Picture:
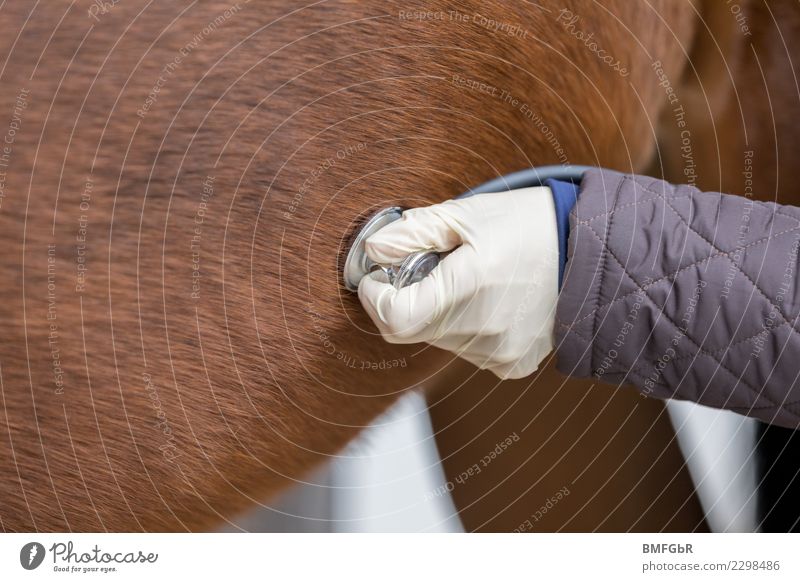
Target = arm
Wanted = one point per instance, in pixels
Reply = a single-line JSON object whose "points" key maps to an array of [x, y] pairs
{"points": [[683, 294]]}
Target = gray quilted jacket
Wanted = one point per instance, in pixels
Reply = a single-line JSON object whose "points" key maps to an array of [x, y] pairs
{"points": [[684, 294]]}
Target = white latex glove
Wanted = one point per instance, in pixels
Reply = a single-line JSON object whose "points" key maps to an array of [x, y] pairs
{"points": [[492, 300]]}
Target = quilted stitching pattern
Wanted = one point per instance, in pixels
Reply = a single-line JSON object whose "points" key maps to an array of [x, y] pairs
{"points": [[684, 294]]}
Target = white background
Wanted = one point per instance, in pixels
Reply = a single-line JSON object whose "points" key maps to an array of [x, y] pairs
{"points": [[403, 557]]}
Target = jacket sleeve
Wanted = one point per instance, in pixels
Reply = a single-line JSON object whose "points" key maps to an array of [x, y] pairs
{"points": [[684, 294]]}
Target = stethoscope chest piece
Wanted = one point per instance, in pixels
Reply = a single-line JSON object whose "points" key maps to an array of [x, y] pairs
{"points": [[358, 265]]}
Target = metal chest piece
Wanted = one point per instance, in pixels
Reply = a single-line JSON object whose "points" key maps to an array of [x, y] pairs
{"points": [[358, 265]]}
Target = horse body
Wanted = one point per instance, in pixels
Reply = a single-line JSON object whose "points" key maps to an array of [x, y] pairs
{"points": [[178, 189]]}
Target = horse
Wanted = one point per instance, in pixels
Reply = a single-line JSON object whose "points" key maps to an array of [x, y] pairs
{"points": [[179, 183]]}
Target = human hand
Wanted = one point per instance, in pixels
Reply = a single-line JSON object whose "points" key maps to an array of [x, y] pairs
{"points": [[491, 300]]}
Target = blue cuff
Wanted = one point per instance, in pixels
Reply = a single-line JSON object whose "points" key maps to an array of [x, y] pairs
{"points": [[565, 195]]}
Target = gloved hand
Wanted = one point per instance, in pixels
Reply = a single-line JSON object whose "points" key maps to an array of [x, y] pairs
{"points": [[492, 300]]}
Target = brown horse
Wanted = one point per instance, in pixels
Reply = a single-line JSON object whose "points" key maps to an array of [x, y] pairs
{"points": [[177, 183]]}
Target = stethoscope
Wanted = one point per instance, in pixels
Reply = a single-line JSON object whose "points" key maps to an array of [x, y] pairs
{"points": [[417, 266]]}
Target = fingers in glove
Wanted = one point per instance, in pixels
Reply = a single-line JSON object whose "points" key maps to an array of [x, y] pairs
{"points": [[414, 313], [401, 316], [431, 228]]}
